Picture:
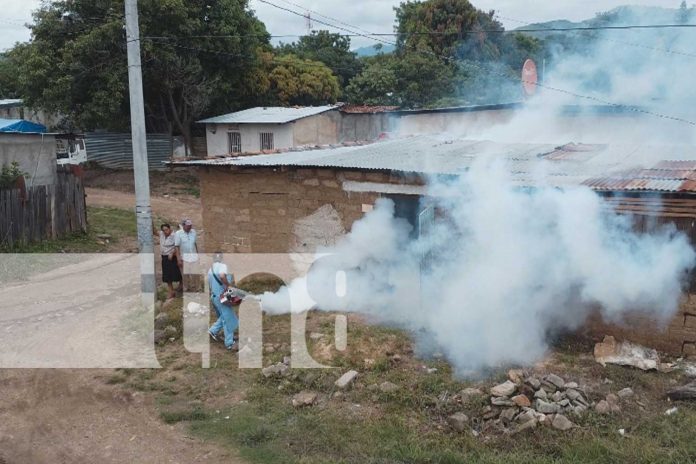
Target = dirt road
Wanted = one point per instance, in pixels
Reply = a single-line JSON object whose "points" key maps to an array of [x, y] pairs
{"points": [[171, 208], [71, 416], [80, 315]]}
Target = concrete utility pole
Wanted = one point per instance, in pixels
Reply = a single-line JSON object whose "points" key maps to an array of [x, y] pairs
{"points": [[143, 211]]}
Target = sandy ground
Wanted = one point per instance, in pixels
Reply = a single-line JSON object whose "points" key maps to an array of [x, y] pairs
{"points": [[79, 316]]}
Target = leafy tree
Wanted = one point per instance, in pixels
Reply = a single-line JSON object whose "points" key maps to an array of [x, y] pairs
{"points": [[684, 13], [446, 27], [75, 63], [297, 81], [329, 48], [377, 84]]}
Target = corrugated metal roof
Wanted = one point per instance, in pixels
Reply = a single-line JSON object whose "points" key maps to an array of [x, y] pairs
{"points": [[268, 115], [601, 167]]}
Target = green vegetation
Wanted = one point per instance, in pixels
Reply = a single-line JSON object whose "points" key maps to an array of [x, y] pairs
{"points": [[10, 173], [254, 415]]}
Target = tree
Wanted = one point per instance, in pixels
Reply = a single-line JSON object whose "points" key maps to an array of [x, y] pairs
{"points": [[75, 63], [684, 13], [329, 48], [294, 81], [446, 28], [377, 84]]}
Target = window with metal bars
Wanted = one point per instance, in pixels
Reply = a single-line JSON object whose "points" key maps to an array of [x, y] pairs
{"points": [[266, 140], [234, 142]]}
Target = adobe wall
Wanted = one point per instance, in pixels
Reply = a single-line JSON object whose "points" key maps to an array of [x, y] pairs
{"points": [[278, 211], [296, 210]]}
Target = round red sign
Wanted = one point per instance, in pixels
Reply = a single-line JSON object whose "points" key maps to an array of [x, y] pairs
{"points": [[529, 77]]}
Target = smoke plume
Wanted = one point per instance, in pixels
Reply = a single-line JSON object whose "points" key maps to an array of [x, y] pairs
{"points": [[501, 270]]}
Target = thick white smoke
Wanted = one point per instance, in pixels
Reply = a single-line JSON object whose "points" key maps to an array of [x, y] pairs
{"points": [[501, 269]]}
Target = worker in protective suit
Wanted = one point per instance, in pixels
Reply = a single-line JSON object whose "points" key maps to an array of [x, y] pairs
{"points": [[219, 280]]}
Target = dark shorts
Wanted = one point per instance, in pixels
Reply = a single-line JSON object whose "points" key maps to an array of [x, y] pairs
{"points": [[170, 270]]}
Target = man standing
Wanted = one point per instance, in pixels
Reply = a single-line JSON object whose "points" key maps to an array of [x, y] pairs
{"points": [[187, 255], [218, 280]]}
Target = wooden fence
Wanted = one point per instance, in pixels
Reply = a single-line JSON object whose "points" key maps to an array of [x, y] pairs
{"points": [[42, 212]]}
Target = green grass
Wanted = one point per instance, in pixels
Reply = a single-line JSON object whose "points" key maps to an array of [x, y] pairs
{"points": [[254, 415]]}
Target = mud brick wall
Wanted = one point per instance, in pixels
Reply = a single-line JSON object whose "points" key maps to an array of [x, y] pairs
{"points": [[677, 336], [257, 210]]}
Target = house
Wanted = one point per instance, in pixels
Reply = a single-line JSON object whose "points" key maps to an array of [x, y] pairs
{"points": [[271, 128], [29, 145], [300, 200], [14, 108]]}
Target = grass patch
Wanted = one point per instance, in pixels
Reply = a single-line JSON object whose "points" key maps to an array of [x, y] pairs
{"points": [[172, 417]]}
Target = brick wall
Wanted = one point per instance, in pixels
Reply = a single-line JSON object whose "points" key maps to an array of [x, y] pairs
{"points": [[256, 210]]}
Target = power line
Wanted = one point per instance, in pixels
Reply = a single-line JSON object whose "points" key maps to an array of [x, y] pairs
{"points": [[328, 17], [620, 42]]}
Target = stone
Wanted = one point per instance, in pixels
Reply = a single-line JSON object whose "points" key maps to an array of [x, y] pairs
{"points": [[158, 306], [522, 401], [579, 409], [316, 336], [160, 336], [625, 354], [469, 393], [458, 421], [534, 383], [346, 379], [516, 376], [603, 407], [564, 403], [278, 369], [501, 401], [571, 385], [171, 304], [162, 321], [507, 415], [504, 389], [612, 398], [170, 331], [304, 399], [545, 407], [541, 394], [104, 236], [572, 394], [490, 413], [555, 380], [521, 427], [388, 387], [561, 422], [557, 396], [526, 415], [625, 393], [286, 360], [549, 387]]}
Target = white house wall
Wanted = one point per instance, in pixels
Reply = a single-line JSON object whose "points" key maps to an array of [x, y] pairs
{"points": [[250, 134]]}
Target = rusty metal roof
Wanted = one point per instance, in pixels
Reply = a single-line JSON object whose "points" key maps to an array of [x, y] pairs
{"points": [[360, 109], [665, 176]]}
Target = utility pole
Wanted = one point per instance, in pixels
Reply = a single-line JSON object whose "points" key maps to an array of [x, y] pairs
{"points": [[143, 211]]}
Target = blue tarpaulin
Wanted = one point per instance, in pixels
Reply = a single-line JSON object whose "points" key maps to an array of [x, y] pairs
{"points": [[21, 125]]}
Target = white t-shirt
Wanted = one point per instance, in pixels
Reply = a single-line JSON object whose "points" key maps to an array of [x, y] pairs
{"points": [[187, 243]]}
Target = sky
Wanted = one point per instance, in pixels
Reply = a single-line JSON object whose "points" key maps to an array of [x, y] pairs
{"points": [[369, 15]]}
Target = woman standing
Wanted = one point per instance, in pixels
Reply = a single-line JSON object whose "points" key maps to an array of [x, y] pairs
{"points": [[170, 266]]}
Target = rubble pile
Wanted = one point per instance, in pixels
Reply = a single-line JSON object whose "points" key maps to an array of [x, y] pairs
{"points": [[525, 402]]}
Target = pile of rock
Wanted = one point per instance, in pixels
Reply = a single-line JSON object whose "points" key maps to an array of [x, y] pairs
{"points": [[525, 402]]}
